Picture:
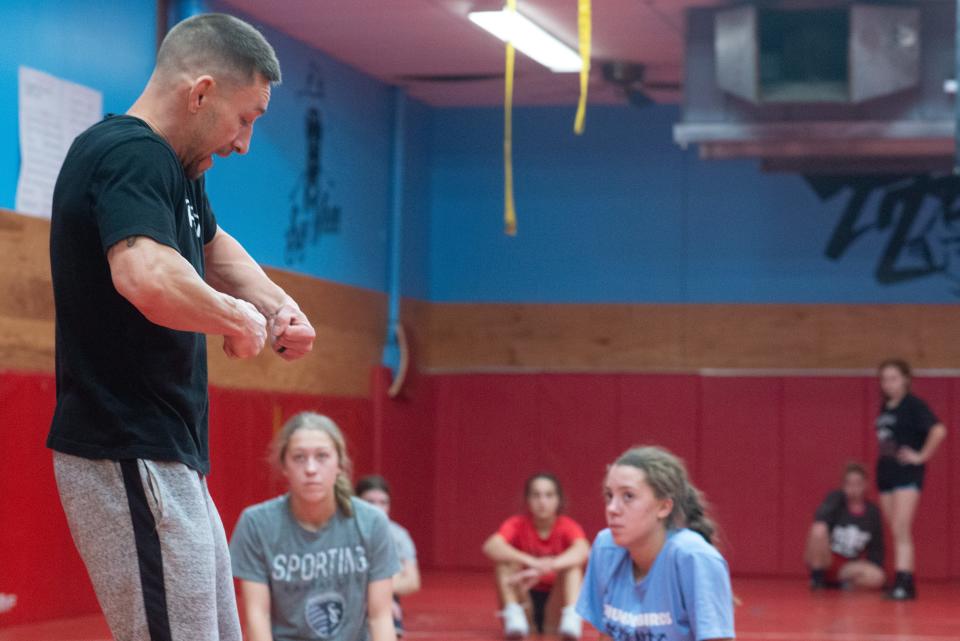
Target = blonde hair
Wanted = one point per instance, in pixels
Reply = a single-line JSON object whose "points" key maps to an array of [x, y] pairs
{"points": [[342, 488], [667, 476]]}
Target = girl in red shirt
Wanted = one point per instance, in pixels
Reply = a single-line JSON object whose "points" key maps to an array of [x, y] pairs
{"points": [[534, 553]]}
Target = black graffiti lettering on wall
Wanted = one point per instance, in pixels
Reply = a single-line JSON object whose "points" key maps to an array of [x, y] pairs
{"points": [[312, 213], [920, 216]]}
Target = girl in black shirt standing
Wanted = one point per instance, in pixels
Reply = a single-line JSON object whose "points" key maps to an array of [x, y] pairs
{"points": [[908, 433]]}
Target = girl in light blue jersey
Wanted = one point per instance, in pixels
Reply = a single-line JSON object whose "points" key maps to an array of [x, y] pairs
{"points": [[653, 574]]}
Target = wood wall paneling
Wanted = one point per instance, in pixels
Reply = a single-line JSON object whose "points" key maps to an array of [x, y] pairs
{"points": [[350, 323], [689, 337]]}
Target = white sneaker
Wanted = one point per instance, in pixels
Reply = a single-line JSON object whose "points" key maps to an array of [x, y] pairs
{"points": [[571, 625], [515, 624]]}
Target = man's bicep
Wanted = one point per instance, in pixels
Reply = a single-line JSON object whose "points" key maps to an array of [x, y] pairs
{"points": [[134, 261], [119, 246], [217, 233], [134, 194], [135, 249]]}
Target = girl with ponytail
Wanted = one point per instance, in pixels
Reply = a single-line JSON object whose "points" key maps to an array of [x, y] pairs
{"points": [[654, 573], [315, 562]]}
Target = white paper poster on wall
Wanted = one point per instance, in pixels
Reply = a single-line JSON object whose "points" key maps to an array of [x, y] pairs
{"points": [[52, 113]]}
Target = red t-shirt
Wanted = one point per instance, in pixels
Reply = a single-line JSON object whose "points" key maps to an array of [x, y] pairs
{"points": [[520, 532]]}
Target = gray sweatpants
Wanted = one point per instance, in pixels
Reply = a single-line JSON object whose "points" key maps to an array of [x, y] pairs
{"points": [[154, 547]]}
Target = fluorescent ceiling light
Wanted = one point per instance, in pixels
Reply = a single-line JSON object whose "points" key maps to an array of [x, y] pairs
{"points": [[529, 38]]}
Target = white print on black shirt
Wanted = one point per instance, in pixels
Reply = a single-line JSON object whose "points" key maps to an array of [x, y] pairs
{"points": [[193, 218], [326, 563], [885, 423], [885, 435], [848, 540]]}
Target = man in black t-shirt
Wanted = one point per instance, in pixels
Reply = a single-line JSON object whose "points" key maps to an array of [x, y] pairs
{"points": [[845, 544], [141, 272]]}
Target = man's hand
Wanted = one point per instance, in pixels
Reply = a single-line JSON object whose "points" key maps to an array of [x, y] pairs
{"points": [[253, 334], [291, 334]]}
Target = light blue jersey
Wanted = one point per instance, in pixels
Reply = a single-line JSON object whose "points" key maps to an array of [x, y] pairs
{"points": [[686, 595]]}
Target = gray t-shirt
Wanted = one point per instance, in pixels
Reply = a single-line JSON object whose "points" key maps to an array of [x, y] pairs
{"points": [[318, 580], [406, 550]]}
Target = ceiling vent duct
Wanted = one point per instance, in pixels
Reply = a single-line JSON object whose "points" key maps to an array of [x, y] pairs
{"points": [[819, 85], [844, 54]]}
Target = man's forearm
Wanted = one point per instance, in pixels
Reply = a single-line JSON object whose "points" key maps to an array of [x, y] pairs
{"points": [[230, 269], [167, 290]]}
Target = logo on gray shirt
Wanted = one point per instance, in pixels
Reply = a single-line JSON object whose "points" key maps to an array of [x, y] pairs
{"points": [[324, 613]]}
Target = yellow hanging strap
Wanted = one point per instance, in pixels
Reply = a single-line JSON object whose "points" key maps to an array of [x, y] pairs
{"points": [[510, 212], [584, 27]]}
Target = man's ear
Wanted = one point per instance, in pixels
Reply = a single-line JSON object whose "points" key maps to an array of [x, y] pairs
{"points": [[200, 91]]}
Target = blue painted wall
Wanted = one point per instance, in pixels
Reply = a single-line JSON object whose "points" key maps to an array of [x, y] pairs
{"points": [[254, 195], [109, 46], [415, 271], [618, 215], [623, 215]]}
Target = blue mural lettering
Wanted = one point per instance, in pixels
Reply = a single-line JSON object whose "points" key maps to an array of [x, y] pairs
{"points": [[312, 213], [919, 216]]}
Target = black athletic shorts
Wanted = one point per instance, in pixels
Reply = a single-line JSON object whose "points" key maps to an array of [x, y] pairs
{"points": [[893, 475], [539, 600]]}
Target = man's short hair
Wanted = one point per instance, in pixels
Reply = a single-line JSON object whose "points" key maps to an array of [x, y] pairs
{"points": [[217, 43], [854, 467]]}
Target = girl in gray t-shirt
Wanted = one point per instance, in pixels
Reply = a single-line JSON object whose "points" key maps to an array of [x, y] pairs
{"points": [[315, 563]]}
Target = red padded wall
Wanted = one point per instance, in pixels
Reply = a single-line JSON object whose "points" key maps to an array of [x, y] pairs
{"points": [[493, 431], [663, 410], [741, 467], [825, 425], [932, 536], [953, 464], [407, 453], [242, 422], [764, 449], [38, 561], [488, 441], [457, 449], [578, 414]]}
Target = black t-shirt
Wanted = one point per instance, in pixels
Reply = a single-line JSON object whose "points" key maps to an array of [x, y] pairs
{"points": [[126, 388], [853, 536], [907, 424]]}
